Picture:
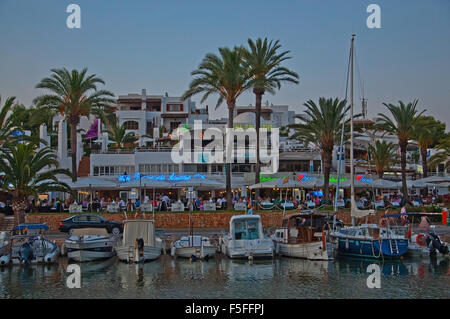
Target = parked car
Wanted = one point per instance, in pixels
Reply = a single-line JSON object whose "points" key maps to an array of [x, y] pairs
{"points": [[89, 221]]}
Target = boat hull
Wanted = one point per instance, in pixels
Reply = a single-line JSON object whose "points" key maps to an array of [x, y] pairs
{"points": [[81, 251], [198, 252], [371, 248], [248, 249], [130, 254], [311, 251]]}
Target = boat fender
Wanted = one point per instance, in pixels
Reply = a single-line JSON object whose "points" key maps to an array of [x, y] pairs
{"points": [[139, 246], [420, 240], [4, 260], [172, 251]]}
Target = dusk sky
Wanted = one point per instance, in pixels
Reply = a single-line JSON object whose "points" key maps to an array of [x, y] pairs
{"points": [[156, 44]]}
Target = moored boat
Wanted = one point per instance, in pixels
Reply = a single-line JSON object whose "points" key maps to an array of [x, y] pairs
{"points": [[246, 239], [88, 244], [28, 245], [303, 236], [195, 247], [139, 243], [370, 241]]}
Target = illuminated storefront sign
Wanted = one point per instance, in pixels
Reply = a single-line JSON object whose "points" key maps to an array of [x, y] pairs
{"points": [[173, 177], [335, 180], [305, 178], [263, 179], [363, 178]]}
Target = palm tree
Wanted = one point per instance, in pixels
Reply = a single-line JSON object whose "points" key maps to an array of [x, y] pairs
{"points": [[226, 76], [119, 135], [322, 125], [400, 122], [383, 155], [263, 63], [74, 94], [29, 171], [5, 120], [427, 132], [443, 154]]}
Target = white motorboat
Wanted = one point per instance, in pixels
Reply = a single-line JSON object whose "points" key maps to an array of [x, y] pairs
{"points": [[88, 244], [28, 245], [139, 243], [246, 239], [303, 236], [195, 247]]}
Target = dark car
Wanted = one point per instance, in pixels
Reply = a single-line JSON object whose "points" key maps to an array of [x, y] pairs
{"points": [[89, 221]]}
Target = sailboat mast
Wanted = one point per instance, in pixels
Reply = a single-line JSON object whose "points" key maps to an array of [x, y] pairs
{"points": [[352, 187]]}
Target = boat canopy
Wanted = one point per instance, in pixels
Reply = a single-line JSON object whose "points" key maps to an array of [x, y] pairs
{"points": [[90, 231], [31, 226], [139, 228]]}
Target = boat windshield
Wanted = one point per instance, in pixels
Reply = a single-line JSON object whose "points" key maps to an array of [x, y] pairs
{"points": [[246, 229]]}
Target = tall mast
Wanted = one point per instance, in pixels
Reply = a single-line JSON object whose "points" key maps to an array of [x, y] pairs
{"points": [[352, 189]]}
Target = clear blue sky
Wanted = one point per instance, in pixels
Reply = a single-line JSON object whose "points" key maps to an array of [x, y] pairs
{"points": [[155, 45]]}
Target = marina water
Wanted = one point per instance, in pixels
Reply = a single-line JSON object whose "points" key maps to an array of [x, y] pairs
{"points": [[223, 278]]}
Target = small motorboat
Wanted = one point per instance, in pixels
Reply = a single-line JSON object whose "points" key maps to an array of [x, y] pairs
{"points": [[139, 243], [194, 247], [303, 236], [29, 246], [246, 239], [88, 244]]}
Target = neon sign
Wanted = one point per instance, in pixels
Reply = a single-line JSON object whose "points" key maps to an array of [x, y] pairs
{"points": [[126, 178], [263, 179], [363, 178], [305, 178], [335, 180]]}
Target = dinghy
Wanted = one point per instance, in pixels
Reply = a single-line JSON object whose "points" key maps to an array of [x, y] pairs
{"points": [[88, 244]]}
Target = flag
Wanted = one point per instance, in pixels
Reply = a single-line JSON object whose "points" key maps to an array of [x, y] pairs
{"points": [[285, 180]]}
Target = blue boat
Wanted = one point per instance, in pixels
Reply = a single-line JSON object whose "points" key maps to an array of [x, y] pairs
{"points": [[369, 241]]}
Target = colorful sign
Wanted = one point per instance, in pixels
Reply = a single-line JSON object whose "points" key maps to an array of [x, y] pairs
{"points": [[363, 178], [173, 177], [303, 177], [263, 179]]}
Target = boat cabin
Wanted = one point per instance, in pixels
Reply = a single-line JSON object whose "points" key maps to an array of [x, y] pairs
{"points": [[301, 228], [246, 227]]}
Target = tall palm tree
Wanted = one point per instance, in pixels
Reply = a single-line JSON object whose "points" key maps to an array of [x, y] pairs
{"points": [[5, 120], [226, 76], [382, 154], [427, 132], [74, 94], [29, 171], [263, 62], [322, 125], [400, 122]]}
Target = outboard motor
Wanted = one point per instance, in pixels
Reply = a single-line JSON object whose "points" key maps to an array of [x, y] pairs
{"points": [[434, 243], [139, 246], [26, 252]]}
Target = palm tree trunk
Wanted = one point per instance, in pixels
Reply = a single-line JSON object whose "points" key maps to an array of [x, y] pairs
{"points": [[380, 174], [258, 93], [403, 144], [423, 154], [327, 154], [19, 205], [73, 146], [228, 164]]}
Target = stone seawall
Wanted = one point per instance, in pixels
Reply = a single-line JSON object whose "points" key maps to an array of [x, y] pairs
{"points": [[181, 220]]}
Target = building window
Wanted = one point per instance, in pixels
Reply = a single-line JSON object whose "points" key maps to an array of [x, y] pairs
{"points": [[174, 107], [131, 125]]}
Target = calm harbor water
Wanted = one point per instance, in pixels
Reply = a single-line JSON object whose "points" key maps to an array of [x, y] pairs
{"points": [[223, 278]]}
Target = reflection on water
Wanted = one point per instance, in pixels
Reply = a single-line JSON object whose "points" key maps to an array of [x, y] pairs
{"points": [[223, 278]]}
